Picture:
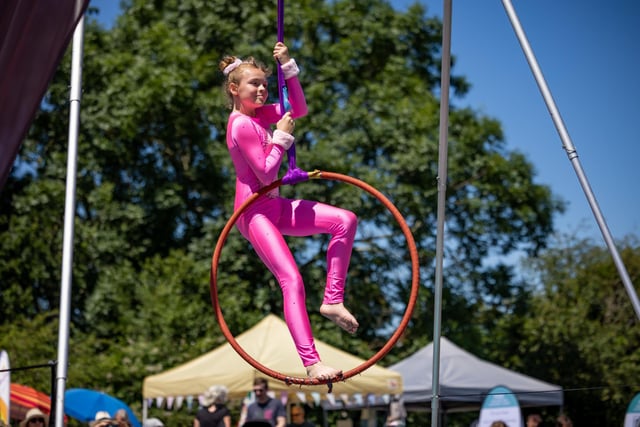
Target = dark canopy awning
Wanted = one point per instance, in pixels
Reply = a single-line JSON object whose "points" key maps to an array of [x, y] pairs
{"points": [[33, 37]]}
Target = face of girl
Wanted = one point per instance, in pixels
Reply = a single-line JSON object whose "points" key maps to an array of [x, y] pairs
{"points": [[252, 91]]}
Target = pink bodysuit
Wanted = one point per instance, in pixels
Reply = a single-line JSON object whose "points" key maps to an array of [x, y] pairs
{"points": [[257, 162]]}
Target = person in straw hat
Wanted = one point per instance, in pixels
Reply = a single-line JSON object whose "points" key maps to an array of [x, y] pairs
{"points": [[35, 417]]}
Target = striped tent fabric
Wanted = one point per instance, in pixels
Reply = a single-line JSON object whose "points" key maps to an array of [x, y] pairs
{"points": [[24, 398]]}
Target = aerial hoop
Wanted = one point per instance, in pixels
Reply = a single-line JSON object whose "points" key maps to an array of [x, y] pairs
{"points": [[413, 252]]}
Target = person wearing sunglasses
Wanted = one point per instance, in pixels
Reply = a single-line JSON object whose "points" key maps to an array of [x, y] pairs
{"points": [[35, 417]]}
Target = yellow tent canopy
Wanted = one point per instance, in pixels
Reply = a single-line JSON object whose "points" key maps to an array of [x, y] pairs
{"points": [[270, 343]]}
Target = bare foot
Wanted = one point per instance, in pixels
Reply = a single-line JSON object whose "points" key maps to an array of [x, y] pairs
{"points": [[321, 371], [339, 315]]}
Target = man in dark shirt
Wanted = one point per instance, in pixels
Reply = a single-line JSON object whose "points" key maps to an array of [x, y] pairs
{"points": [[265, 407]]}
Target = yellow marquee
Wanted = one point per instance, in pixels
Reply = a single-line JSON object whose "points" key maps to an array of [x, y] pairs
{"points": [[270, 343]]}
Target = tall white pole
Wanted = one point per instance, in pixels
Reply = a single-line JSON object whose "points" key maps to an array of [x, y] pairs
{"points": [[442, 200], [69, 216], [568, 146]]}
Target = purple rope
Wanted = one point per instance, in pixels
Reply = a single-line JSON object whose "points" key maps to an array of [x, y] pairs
{"points": [[294, 174], [281, 39]]}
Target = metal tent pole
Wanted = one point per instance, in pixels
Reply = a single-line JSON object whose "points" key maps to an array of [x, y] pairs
{"points": [[572, 154], [69, 215], [442, 198]]}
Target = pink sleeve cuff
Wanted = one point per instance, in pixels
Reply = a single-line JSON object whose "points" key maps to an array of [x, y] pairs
{"points": [[290, 69]]}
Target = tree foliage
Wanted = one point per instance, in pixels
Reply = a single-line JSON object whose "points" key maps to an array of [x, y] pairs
{"points": [[155, 186], [582, 331]]}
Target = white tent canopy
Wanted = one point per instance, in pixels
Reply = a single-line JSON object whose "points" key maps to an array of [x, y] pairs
{"points": [[466, 379], [270, 343]]}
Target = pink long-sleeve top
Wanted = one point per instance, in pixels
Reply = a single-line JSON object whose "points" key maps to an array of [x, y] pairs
{"points": [[250, 141]]}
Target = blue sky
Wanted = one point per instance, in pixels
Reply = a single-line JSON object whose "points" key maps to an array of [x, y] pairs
{"points": [[588, 52]]}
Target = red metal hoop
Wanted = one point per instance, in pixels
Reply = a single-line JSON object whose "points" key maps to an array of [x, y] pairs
{"points": [[415, 281]]}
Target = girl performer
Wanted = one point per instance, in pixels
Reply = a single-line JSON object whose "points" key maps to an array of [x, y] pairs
{"points": [[257, 153]]}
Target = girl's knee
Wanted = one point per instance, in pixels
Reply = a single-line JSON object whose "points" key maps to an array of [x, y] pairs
{"points": [[349, 220], [293, 287]]}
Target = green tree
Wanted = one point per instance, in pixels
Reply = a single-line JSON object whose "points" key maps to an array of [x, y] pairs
{"points": [[580, 331], [155, 184]]}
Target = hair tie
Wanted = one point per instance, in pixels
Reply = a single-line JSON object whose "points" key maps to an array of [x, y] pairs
{"points": [[229, 68]]}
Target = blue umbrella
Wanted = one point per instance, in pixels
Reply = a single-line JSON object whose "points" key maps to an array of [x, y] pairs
{"points": [[83, 404]]}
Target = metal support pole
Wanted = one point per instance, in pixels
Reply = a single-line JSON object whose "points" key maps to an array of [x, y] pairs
{"points": [[572, 154], [69, 216], [442, 200]]}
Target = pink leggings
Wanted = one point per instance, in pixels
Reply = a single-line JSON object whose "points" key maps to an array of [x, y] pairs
{"points": [[265, 223]]}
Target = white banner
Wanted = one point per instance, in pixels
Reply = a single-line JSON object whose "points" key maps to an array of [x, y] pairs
{"points": [[500, 405], [632, 418], [5, 387]]}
